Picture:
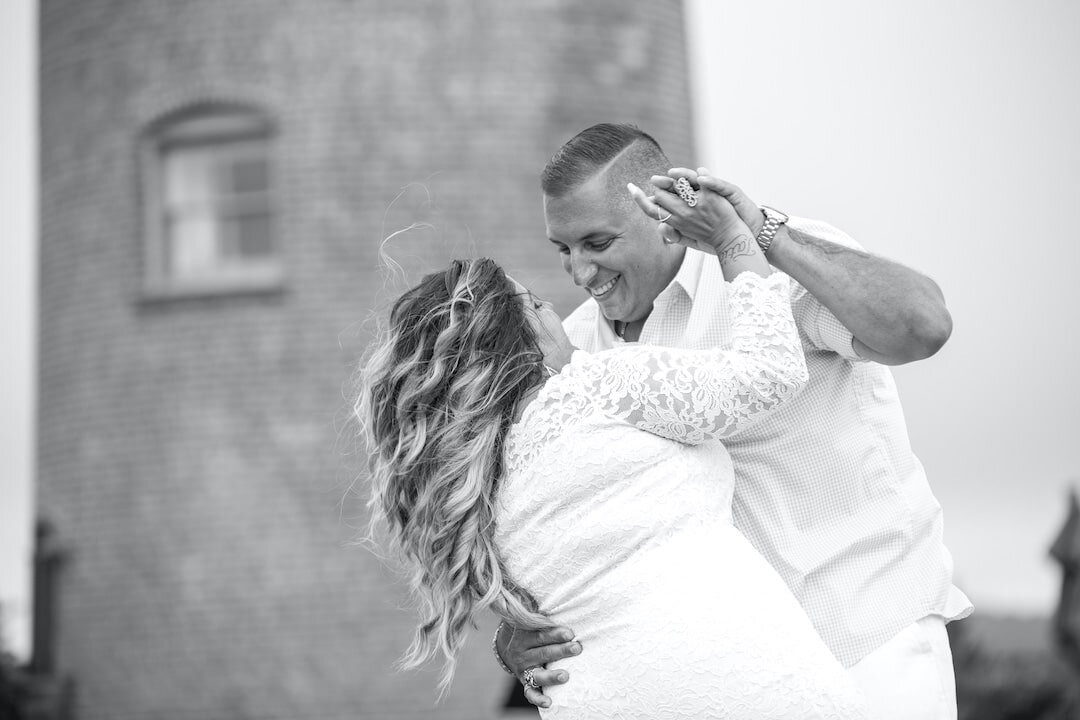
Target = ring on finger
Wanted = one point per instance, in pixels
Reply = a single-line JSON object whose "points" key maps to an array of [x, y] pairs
{"points": [[528, 680], [659, 214], [686, 192]]}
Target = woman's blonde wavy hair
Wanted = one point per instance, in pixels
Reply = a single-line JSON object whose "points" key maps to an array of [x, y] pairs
{"points": [[437, 396]]}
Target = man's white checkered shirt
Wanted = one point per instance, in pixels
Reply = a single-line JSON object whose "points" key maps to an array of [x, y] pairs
{"points": [[827, 488]]}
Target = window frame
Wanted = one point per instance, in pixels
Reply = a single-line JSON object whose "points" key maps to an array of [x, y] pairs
{"points": [[204, 126]]}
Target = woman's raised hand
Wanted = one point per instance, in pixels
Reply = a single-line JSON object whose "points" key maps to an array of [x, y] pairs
{"points": [[698, 211], [711, 225]]}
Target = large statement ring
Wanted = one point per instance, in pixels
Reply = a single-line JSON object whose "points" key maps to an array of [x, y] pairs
{"points": [[660, 214], [682, 186], [527, 678]]}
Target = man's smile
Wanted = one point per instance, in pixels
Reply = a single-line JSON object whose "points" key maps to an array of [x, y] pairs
{"points": [[599, 292]]}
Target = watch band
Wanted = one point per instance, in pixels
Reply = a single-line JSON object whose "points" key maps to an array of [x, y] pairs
{"points": [[773, 220]]}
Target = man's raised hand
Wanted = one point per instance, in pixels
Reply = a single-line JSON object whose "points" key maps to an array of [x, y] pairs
{"points": [[522, 650]]}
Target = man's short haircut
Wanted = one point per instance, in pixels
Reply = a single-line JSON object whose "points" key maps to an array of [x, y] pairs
{"points": [[595, 149]]}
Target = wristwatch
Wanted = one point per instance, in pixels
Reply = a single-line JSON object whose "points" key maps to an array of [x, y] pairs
{"points": [[773, 220]]}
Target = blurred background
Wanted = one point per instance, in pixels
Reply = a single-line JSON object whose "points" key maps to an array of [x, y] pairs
{"points": [[176, 458]]}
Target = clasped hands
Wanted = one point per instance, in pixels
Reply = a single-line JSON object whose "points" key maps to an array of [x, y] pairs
{"points": [[722, 215]]}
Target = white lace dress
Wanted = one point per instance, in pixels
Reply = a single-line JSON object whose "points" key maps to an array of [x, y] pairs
{"points": [[615, 514]]}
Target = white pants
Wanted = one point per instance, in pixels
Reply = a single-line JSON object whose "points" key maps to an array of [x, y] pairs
{"points": [[910, 677]]}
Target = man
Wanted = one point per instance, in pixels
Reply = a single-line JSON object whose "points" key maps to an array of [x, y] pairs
{"points": [[828, 489]]}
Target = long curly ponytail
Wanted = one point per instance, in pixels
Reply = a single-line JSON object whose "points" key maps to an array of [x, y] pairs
{"points": [[437, 397]]}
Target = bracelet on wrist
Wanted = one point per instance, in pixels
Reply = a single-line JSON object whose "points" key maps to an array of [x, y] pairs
{"points": [[495, 652]]}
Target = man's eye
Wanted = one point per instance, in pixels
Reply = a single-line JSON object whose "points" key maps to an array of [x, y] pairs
{"points": [[598, 246], [563, 250]]}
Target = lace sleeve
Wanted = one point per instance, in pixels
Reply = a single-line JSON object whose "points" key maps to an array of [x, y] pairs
{"points": [[696, 395]]}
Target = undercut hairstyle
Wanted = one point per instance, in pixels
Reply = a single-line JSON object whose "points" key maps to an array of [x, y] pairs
{"points": [[625, 152], [437, 396]]}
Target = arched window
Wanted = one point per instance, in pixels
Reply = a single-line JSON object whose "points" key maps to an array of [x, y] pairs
{"points": [[210, 210]]}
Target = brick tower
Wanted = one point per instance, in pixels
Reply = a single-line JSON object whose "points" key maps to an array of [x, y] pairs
{"points": [[217, 179]]}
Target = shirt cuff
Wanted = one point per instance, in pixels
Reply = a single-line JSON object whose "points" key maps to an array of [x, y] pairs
{"points": [[828, 333]]}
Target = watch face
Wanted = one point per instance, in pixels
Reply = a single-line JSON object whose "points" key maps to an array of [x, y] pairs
{"points": [[774, 214]]}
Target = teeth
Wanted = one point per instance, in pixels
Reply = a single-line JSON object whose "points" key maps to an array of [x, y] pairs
{"points": [[606, 287]]}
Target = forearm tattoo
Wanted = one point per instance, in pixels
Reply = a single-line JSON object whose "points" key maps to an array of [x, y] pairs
{"points": [[823, 248], [739, 247]]}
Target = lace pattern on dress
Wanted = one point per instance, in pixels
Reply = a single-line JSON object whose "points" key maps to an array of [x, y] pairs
{"points": [[690, 396], [627, 537]]}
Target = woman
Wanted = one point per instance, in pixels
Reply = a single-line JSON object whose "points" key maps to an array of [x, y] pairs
{"points": [[559, 488]]}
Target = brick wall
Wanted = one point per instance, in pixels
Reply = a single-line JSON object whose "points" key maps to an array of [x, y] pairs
{"points": [[192, 453]]}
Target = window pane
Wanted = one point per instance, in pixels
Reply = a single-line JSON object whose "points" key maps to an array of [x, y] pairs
{"points": [[255, 239], [191, 245], [246, 236], [248, 174], [189, 180]]}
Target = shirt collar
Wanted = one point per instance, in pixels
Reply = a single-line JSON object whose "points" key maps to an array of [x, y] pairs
{"points": [[689, 274], [688, 278]]}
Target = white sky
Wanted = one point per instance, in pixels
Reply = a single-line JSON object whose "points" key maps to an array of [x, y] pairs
{"points": [[943, 135], [18, 278]]}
